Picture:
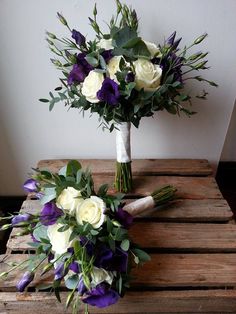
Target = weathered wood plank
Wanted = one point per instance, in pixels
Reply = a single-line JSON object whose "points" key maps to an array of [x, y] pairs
{"points": [[164, 270], [184, 167], [179, 210], [188, 187], [192, 237], [210, 301], [184, 210]]}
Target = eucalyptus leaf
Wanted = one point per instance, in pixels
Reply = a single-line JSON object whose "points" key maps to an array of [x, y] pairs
{"points": [[40, 231]]}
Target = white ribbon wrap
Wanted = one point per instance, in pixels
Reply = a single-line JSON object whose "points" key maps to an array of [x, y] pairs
{"points": [[140, 205], [123, 150]]}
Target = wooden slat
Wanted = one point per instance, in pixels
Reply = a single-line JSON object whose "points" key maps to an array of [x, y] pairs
{"points": [[188, 187], [208, 210], [210, 301], [184, 167], [188, 237], [192, 237], [164, 270]]}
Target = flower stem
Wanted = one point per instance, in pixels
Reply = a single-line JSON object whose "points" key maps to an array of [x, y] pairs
{"points": [[123, 179]]}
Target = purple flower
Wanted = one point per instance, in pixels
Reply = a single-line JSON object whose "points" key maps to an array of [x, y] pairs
{"points": [[101, 296], [81, 287], [30, 186], [129, 77], [78, 37], [60, 272], [80, 70], [107, 55], [88, 245], [25, 281], [109, 260], [49, 214], [50, 256], [109, 92], [20, 218], [124, 217], [170, 40], [75, 267]]}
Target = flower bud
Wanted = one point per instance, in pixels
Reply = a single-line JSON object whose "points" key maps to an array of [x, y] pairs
{"points": [[62, 19], [25, 281], [200, 65], [5, 227], [51, 35], [19, 219], [30, 186], [56, 62], [200, 39], [95, 10], [50, 42], [171, 38], [4, 274]]}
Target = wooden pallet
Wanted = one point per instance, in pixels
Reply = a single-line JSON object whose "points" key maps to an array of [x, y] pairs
{"points": [[192, 243]]}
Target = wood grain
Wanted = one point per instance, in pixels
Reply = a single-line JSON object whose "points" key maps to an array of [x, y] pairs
{"points": [[191, 237], [198, 301], [163, 271], [184, 167], [208, 210]]}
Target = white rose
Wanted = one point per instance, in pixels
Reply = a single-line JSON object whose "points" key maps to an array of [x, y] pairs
{"points": [[69, 199], [105, 44], [91, 210], [91, 85], [59, 240], [113, 67], [147, 75], [100, 275], [153, 49]]}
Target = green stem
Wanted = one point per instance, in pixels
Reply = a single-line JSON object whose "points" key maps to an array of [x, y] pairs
{"points": [[123, 178]]}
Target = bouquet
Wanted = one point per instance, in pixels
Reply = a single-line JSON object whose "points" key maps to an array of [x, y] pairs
{"points": [[80, 235], [123, 77]]}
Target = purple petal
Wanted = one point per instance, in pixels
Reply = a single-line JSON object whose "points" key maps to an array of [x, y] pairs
{"points": [[109, 92], [107, 55], [20, 218], [25, 281], [171, 38], [101, 297], [75, 267], [49, 214], [78, 37], [30, 186], [81, 287], [60, 272], [124, 217]]}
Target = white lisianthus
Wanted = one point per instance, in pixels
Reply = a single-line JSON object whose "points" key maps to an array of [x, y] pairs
{"points": [[105, 44], [147, 75], [59, 240], [91, 210], [113, 67], [69, 199], [100, 275], [91, 85], [153, 49]]}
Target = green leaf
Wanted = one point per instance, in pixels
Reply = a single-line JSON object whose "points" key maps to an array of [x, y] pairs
{"points": [[103, 190], [141, 50], [62, 171], [56, 286], [70, 298], [125, 244], [72, 281], [91, 60], [142, 255], [43, 100], [58, 88], [40, 231], [72, 167], [123, 36], [132, 42]]}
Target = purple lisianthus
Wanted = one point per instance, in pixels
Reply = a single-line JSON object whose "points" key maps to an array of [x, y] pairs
{"points": [[81, 288], [78, 37], [30, 186], [21, 218], [124, 217], [88, 245], [75, 267], [107, 55], [25, 281], [129, 77], [60, 272], [101, 296], [49, 214], [113, 261], [80, 70], [170, 40], [109, 92]]}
